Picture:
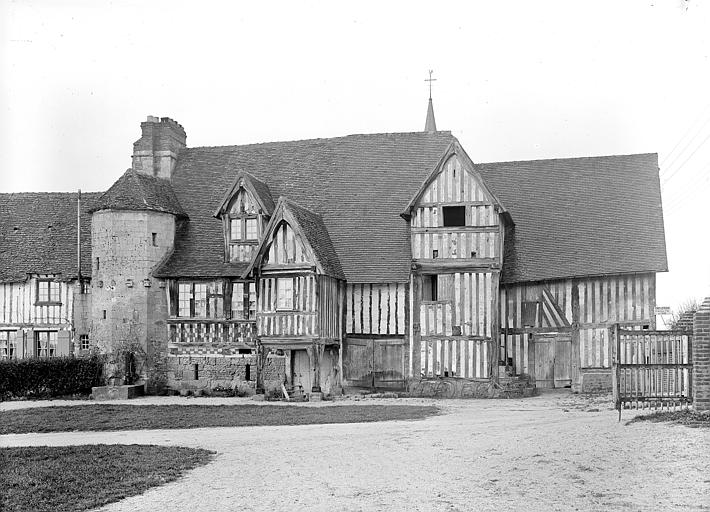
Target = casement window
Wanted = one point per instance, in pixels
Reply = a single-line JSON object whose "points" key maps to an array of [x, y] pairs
{"points": [[8, 344], [84, 342], [200, 300], [46, 343], [243, 229], [243, 301], [47, 291], [284, 293]]}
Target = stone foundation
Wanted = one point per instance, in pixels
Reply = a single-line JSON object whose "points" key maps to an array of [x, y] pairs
{"points": [[238, 373], [451, 387], [595, 380]]}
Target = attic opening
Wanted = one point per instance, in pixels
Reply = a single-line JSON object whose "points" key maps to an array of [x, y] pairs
{"points": [[454, 215]]}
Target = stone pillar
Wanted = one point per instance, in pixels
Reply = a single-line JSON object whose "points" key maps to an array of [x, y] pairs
{"points": [[701, 358]]}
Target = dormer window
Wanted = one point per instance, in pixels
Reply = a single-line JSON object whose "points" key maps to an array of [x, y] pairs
{"points": [[244, 211]]}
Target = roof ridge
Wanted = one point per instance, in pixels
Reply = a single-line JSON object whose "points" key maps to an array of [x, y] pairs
{"points": [[317, 139], [567, 158]]}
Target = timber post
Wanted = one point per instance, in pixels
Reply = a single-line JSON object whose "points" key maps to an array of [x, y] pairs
{"points": [[416, 335]]}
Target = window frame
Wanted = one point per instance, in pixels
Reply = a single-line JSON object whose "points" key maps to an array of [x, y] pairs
{"points": [[8, 344], [245, 299], [200, 299], [50, 300], [84, 338], [282, 295], [52, 343]]}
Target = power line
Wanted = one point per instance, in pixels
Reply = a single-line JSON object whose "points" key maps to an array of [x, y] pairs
{"points": [[687, 132], [668, 178]]}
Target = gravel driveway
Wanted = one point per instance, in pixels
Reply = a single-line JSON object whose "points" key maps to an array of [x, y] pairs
{"points": [[554, 452]]}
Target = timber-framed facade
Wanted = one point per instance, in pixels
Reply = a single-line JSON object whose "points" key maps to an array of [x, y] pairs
{"points": [[368, 260]]}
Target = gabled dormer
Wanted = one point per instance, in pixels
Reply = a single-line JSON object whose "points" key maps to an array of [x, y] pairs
{"points": [[245, 211], [454, 215]]}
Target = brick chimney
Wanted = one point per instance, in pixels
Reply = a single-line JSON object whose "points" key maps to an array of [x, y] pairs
{"points": [[156, 152]]}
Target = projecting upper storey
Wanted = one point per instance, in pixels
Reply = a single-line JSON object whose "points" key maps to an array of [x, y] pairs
{"points": [[564, 218]]}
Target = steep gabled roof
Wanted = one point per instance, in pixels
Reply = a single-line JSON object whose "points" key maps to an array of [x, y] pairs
{"points": [[139, 191], [454, 148], [311, 227], [357, 184], [257, 188], [38, 235], [580, 216]]}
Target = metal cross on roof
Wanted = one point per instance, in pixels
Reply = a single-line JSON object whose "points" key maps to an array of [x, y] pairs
{"points": [[430, 80]]}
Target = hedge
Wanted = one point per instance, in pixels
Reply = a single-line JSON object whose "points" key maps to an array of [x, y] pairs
{"points": [[49, 377]]}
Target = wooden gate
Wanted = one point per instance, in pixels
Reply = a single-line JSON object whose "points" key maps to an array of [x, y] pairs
{"points": [[652, 369], [374, 362]]}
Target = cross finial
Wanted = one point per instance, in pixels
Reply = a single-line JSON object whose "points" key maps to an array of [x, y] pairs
{"points": [[430, 80]]}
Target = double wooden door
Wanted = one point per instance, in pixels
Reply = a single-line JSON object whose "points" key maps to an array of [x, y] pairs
{"points": [[551, 358], [374, 362]]}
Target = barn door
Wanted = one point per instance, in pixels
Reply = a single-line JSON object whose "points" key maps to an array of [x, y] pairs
{"points": [[389, 363], [551, 356], [358, 362]]}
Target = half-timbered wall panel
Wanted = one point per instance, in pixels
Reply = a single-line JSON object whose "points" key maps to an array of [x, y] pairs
{"points": [[590, 304], [329, 312], [302, 320], [465, 310], [287, 247], [478, 237], [19, 304], [460, 243], [375, 308]]}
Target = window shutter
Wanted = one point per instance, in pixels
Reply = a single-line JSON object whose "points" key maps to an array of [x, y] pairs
{"points": [[28, 347], [63, 343], [173, 293], [227, 287]]}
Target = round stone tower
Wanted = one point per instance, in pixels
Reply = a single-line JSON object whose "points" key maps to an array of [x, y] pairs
{"points": [[132, 230]]}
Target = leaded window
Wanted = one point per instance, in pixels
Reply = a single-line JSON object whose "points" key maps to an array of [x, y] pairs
{"points": [[8, 344]]}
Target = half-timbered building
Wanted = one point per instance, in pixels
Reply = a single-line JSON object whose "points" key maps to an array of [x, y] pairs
{"points": [[371, 260], [44, 292]]}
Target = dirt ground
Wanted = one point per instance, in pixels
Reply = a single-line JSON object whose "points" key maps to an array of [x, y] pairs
{"points": [[554, 452]]}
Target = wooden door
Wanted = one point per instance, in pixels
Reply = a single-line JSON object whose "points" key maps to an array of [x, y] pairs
{"points": [[358, 362], [552, 360], [388, 363], [563, 361], [544, 357], [301, 368]]}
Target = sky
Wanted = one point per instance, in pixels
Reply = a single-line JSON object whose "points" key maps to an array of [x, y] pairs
{"points": [[516, 80]]}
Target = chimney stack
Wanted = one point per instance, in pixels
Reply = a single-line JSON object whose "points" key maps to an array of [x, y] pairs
{"points": [[156, 152]]}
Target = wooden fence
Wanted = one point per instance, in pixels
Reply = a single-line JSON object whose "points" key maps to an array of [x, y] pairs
{"points": [[652, 369]]}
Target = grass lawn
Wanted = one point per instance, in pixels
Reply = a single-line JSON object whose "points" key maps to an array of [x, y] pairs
{"points": [[685, 417], [138, 417], [74, 478]]}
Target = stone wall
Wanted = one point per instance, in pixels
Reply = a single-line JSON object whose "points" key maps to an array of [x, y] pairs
{"points": [[237, 373], [128, 307], [596, 380], [701, 357]]}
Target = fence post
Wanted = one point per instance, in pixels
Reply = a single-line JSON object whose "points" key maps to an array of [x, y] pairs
{"points": [[615, 344], [699, 351]]}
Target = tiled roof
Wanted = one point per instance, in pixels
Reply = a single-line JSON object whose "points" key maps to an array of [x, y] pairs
{"points": [[358, 184], [139, 191], [573, 217], [38, 235], [580, 216]]}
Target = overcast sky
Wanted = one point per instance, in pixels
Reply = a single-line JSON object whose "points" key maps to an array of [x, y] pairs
{"points": [[516, 80]]}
